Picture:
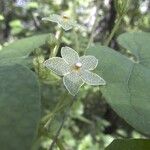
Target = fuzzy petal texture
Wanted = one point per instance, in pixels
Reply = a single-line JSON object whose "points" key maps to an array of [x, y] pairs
{"points": [[53, 18], [72, 82], [67, 25], [92, 78], [88, 62], [57, 65], [69, 55]]}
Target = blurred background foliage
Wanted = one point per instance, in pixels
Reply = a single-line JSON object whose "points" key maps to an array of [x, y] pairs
{"points": [[92, 124]]}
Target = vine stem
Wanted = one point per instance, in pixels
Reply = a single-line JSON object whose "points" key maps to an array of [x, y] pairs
{"points": [[118, 21], [76, 40], [95, 24], [61, 126], [74, 15], [58, 36]]}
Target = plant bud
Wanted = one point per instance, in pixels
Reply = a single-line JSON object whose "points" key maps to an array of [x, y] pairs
{"points": [[51, 40], [122, 6]]}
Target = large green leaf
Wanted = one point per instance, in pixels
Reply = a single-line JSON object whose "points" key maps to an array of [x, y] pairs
{"points": [[128, 82], [19, 51], [19, 107], [129, 144]]}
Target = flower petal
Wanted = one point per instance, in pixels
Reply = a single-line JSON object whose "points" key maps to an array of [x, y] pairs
{"points": [[53, 18], [70, 55], [67, 25], [88, 62], [92, 78], [57, 65], [72, 83]]}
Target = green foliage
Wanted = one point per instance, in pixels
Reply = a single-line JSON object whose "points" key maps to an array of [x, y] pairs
{"points": [[129, 144], [122, 6], [92, 124], [32, 5], [19, 107], [18, 52], [128, 83], [16, 26], [1, 17]]}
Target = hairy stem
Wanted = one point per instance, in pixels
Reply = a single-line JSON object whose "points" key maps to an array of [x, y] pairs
{"points": [[115, 28], [76, 40], [61, 126], [49, 117], [58, 37]]}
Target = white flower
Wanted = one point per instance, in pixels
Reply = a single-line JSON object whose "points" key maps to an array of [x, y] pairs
{"points": [[65, 22], [75, 70]]}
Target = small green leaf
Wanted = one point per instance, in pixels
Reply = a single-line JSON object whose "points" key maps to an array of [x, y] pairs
{"points": [[129, 144], [19, 107], [18, 52], [128, 81], [1, 17], [32, 5], [16, 23]]}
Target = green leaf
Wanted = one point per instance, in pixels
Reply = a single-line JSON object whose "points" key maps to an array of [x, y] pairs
{"points": [[16, 23], [134, 144], [18, 52], [32, 5], [19, 107], [127, 87], [1, 17]]}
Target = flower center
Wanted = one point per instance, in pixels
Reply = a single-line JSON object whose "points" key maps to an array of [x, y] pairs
{"points": [[65, 18], [78, 65]]}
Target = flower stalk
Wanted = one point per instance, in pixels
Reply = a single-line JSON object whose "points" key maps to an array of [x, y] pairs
{"points": [[61, 125], [118, 21], [121, 7], [58, 37]]}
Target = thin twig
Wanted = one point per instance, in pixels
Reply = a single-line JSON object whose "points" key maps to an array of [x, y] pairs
{"points": [[117, 24], [58, 36], [95, 23], [61, 126]]}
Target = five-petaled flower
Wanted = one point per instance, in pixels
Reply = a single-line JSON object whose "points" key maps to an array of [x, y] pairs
{"points": [[64, 21], [75, 70]]}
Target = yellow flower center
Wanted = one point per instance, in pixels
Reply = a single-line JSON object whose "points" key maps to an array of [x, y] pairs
{"points": [[77, 67], [65, 18]]}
